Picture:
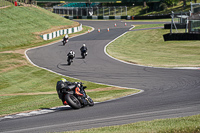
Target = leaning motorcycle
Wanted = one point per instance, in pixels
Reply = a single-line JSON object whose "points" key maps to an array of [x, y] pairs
{"points": [[65, 41], [75, 96]]}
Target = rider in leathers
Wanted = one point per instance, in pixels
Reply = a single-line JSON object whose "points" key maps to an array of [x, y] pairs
{"points": [[65, 38], [71, 55], [63, 83], [83, 49]]}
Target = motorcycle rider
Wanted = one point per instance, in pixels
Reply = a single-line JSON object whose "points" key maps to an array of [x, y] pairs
{"points": [[71, 55], [60, 85], [63, 84], [83, 49], [65, 38]]}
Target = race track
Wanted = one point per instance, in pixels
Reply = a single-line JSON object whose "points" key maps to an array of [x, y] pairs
{"points": [[168, 93]]}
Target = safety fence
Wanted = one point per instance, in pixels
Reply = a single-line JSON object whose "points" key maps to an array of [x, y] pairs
{"points": [[195, 7], [61, 32], [91, 11], [97, 17]]}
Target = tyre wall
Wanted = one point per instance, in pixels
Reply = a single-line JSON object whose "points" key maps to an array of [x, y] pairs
{"points": [[61, 32], [181, 36]]}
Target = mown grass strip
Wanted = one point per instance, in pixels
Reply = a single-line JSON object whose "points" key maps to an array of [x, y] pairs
{"points": [[174, 125], [147, 47]]}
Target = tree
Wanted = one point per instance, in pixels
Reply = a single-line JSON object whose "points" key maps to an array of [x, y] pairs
{"points": [[171, 2]]}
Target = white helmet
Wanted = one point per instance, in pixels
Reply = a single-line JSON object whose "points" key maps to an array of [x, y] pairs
{"points": [[83, 45]]}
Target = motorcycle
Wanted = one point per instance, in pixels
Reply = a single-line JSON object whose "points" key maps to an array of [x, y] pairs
{"points": [[75, 96], [65, 41], [70, 59], [83, 54]]}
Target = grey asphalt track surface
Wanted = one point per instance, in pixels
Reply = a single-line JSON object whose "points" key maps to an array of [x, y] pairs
{"points": [[168, 93]]}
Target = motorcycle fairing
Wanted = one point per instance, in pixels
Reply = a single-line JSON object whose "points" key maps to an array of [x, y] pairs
{"points": [[70, 87], [77, 91]]}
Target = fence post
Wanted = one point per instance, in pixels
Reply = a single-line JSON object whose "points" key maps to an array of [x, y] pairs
{"points": [[121, 11], [115, 11], [126, 11], [103, 11]]}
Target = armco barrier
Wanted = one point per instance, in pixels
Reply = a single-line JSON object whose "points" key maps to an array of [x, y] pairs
{"points": [[178, 26], [61, 32], [181, 36], [119, 17], [152, 17], [97, 17]]}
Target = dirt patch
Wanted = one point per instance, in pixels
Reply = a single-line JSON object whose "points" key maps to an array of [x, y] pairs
{"points": [[54, 92], [4, 7], [106, 89], [23, 63], [28, 94], [56, 28], [20, 51]]}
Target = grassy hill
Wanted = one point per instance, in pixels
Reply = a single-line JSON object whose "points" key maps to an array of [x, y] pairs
{"points": [[21, 26]]}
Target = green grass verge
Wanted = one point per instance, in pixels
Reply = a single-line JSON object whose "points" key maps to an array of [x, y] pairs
{"points": [[147, 26], [174, 125], [100, 96], [18, 25], [148, 48]]}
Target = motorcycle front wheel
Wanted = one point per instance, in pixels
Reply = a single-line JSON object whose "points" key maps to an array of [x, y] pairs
{"points": [[73, 101], [90, 101], [64, 42], [69, 61]]}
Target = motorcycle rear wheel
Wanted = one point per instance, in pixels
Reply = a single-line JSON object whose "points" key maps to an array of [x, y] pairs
{"points": [[83, 55], [72, 101]]}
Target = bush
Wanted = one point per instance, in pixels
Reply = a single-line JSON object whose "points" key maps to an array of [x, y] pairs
{"points": [[163, 6]]}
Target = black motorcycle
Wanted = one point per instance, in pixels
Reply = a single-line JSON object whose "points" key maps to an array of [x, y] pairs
{"points": [[70, 59], [65, 40], [83, 53], [74, 95]]}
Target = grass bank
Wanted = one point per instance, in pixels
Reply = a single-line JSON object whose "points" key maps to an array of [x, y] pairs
{"points": [[24, 87], [21, 26], [174, 125], [147, 47]]}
